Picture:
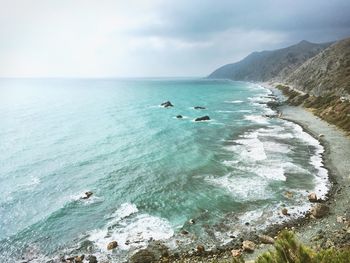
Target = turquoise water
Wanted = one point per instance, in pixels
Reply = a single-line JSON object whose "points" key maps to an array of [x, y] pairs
{"points": [[150, 172]]}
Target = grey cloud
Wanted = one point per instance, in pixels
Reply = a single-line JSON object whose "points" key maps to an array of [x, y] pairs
{"points": [[198, 20]]}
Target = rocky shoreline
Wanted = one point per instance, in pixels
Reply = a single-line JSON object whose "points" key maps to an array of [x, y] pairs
{"points": [[330, 229]]}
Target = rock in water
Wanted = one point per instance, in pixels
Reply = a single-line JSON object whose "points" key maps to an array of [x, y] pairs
{"points": [[319, 210], [288, 194], [191, 221], [312, 197], [204, 118], [179, 116], [87, 195], [248, 246], [112, 245], [285, 212], [79, 259], [167, 104], [199, 108], [92, 259], [266, 239]]}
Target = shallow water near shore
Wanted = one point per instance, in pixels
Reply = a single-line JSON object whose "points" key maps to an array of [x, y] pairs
{"points": [[149, 171]]}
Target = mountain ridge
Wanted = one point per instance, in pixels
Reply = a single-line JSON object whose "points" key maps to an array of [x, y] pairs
{"points": [[270, 64]]}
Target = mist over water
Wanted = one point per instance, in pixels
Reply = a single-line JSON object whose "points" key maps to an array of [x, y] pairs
{"points": [[149, 171]]}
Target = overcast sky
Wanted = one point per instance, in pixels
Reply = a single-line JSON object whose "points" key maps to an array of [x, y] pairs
{"points": [[144, 38]]}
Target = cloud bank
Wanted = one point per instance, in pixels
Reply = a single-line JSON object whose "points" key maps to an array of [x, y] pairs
{"points": [[84, 38]]}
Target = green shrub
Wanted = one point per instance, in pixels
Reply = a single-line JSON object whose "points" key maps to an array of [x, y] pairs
{"points": [[288, 250]]}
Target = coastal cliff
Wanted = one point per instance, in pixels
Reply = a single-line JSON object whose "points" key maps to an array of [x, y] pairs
{"points": [[316, 76], [327, 72]]}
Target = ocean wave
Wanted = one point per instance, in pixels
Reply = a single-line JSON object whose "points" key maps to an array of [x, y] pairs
{"points": [[133, 229], [234, 101], [321, 178], [225, 111], [257, 119], [124, 211], [250, 148], [243, 188]]}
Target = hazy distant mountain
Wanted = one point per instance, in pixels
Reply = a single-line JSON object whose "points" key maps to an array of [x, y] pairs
{"points": [[268, 65], [327, 72]]}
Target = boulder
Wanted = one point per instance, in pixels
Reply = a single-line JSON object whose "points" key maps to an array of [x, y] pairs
{"points": [[248, 246], [191, 221], [204, 118], [319, 210], [167, 104], [312, 197], [266, 239], [200, 249], [199, 108], [92, 259], [143, 256], [79, 259], [179, 116], [184, 232], [112, 245], [87, 195], [236, 253], [285, 212], [288, 194]]}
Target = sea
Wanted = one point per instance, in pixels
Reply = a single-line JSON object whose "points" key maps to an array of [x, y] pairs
{"points": [[154, 177]]}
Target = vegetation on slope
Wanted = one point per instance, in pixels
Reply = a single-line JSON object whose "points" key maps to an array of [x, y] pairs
{"points": [[288, 250], [327, 72], [331, 107]]}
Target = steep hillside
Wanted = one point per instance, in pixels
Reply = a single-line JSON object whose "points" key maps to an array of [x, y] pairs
{"points": [[268, 65], [327, 72]]}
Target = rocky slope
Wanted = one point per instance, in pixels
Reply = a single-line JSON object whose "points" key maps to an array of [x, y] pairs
{"points": [[327, 72], [270, 65]]}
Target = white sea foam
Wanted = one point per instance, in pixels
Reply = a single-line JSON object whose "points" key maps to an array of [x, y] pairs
{"points": [[243, 188], [259, 99], [271, 171], [275, 147], [248, 111], [131, 229], [225, 111], [250, 148], [321, 178], [124, 211], [257, 119], [234, 101]]}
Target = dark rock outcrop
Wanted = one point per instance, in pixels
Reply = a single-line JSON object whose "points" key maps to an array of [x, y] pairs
{"points": [[143, 256], [87, 195], [199, 108], [153, 253], [179, 116], [319, 210], [92, 259], [204, 118], [167, 104]]}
